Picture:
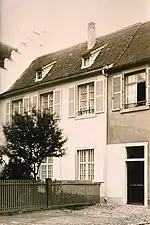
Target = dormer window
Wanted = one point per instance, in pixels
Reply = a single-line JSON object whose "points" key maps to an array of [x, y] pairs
{"points": [[86, 62], [41, 73], [89, 57]]}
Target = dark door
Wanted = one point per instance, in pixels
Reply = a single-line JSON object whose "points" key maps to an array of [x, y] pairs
{"points": [[135, 182]]}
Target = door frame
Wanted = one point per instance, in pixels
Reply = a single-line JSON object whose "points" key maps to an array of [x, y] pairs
{"points": [[145, 160]]}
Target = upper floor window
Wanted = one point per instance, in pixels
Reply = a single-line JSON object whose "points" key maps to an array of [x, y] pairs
{"points": [[51, 102], [20, 106], [47, 102], [131, 90], [135, 89], [17, 106], [87, 98]]}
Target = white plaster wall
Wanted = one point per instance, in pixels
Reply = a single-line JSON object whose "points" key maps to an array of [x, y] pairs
{"points": [[116, 173], [81, 133]]}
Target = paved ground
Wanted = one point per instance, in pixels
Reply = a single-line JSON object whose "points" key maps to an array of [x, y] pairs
{"points": [[94, 215]]}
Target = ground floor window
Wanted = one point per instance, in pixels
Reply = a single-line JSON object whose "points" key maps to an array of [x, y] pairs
{"points": [[46, 169], [86, 164]]}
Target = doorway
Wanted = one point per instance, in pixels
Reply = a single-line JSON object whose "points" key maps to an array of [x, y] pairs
{"points": [[135, 175], [135, 183]]}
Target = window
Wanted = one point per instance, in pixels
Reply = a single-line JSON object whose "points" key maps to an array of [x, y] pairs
{"points": [[39, 75], [47, 102], [135, 89], [51, 102], [17, 106], [86, 164], [86, 61], [86, 98], [46, 169], [131, 90]]}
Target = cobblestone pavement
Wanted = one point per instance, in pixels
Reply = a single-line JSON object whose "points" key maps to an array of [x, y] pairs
{"points": [[94, 215]]}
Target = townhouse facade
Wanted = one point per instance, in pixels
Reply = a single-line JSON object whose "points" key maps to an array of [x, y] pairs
{"points": [[99, 91]]}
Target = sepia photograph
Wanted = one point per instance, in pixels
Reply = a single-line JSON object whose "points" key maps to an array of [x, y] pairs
{"points": [[75, 112]]}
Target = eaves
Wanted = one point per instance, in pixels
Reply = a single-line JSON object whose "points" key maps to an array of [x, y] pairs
{"points": [[49, 83]]}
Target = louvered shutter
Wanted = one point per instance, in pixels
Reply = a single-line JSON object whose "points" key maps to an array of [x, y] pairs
{"points": [[72, 102], [57, 103], [116, 92], [26, 104], [99, 96], [76, 166], [148, 85], [35, 102], [8, 113]]}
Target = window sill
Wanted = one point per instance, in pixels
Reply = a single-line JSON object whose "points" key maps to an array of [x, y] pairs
{"points": [[140, 108], [85, 117]]}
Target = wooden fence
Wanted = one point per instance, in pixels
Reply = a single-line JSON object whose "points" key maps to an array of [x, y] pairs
{"points": [[25, 195]]}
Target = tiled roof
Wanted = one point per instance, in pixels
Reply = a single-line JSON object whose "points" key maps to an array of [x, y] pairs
{"points": [[124, 46]]}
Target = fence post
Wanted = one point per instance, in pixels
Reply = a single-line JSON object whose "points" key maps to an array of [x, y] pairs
{"points": [[49, 191]]}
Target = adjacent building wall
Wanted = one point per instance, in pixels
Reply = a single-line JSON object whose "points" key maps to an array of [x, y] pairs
{"points": [[129, 127]]}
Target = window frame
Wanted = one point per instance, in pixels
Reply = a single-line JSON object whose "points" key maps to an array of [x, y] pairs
{"points": [[55, 104], [41, 101], [125, 96], [20, 100], [47, 164], [88, 109], [86, 163]]}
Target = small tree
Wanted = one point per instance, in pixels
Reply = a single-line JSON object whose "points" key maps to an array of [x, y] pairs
{"points": [[32, 137]]}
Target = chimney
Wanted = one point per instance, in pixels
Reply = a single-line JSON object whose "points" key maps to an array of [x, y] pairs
{"points": [[91, 35]]}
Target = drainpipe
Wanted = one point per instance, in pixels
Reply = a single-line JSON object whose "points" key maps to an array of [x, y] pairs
{"points": [[104, 72]]}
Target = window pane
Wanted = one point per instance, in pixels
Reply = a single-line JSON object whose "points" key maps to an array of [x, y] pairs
{"points": [[141, 92], [91, 87], [50, 159], [82, 171], [132, 79], [39, 74], [50, 171], [91, 171], [91, 155], [43, 172], [132, 93]]}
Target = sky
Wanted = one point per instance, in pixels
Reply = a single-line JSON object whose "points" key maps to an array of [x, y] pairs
{"points": [[59, 24]]}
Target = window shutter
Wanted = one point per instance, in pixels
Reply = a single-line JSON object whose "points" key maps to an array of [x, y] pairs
{"points": [[99, 96], [35, 102], [116, 92], [57, 103], [148, 85], [72, 102], [76, 166], [8, 113], [26, 104]]}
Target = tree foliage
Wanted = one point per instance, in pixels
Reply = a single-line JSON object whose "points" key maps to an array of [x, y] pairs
{"points": [[30, 138]]}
